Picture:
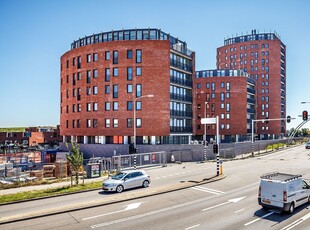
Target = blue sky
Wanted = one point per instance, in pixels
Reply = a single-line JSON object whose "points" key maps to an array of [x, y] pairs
{"points": [[35, 33]]}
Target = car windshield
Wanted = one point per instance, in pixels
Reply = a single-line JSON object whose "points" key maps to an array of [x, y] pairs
{"points": [[118, 176]]}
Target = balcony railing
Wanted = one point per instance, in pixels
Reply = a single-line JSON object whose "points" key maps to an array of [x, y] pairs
{"points": [[177, 113], [174, 129], [179, 81], [180, 65]]}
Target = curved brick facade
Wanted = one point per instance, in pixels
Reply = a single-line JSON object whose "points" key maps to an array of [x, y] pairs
{"points": [[101, 80]]}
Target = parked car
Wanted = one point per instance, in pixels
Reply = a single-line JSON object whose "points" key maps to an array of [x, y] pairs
{"points": [[308, 145], [126, 180], [283, 191]]}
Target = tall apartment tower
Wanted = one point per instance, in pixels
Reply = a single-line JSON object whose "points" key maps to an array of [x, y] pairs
{"points": [[263, 56], [109, 77]]}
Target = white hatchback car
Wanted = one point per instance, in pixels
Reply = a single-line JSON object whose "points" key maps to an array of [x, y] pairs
{"points": [[126, 180]]}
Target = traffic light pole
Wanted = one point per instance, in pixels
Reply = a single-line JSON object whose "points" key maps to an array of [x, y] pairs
{"points": [[275, 119]]}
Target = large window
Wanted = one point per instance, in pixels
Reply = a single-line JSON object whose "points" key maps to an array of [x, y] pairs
{"points": [[129, 105], [129, 73], [138, 105], [95, 57], [95, 73], [95, 106], [88, 58], [107, 106], [95, 123], [88, 123], [107, 123], [138, 71], [115, 105], [115, 72], [115, 57], [107, 89], [88, 107], [115, 91], [129, 88], [129, 122], [107, 55], [138, 56], [107, 74], [138, 122], [115, 123], [88, 76], [138, 90], [129, 54]]}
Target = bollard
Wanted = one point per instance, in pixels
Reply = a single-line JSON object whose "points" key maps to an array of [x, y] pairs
{"points": [[221, 167]]}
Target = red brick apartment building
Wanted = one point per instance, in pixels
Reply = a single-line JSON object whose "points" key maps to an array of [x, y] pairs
{"points": [[263, 56], [228, 94], [105, 76]]}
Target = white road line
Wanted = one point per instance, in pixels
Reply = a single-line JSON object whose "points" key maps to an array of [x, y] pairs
{"points": [[253, 221], [195, 226], [149, 213], [209, 190], [239, 211], [204, 190], [297, 222]]}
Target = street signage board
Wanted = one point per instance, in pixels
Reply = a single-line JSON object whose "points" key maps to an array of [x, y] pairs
{"points": [[210, 120]]}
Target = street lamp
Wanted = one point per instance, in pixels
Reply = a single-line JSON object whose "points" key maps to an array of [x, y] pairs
{"points": [[205, 133], [134, 123]]}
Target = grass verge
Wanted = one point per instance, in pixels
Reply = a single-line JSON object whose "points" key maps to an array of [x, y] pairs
{"points": [[48, 192]]}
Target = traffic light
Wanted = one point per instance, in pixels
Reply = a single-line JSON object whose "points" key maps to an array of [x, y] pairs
{"points": [[215, 148], [131, 149], [288, 119], [305, 115]]}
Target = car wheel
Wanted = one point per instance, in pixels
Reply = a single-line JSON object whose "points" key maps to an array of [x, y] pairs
{"points": [[119, 188], [291, 209], [145, 184]]}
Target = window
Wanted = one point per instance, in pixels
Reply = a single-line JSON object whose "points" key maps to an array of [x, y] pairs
{"points": [[129, 122], [115, 57], [115, 72], [107, 106], [95, 106], [138, 71], [88, 90], [212, 86], [107, 55], [198, 85], [222, 96], [67, 123], [138, 122], [95, 57], [227, 115], [129, 105], [88, 59], [129, 73], [129, 54], [79, 62], [88, 76], [222, 105], [227, 126], [138, 105], [107, 89], [222, 126], [95, 73], [78, 123], [79, 108], [208, 85], [115, 91], [222, 84], [115, 123], [67, 63], [107, 74], [222, 115], [227, 95], [227, 86], [107, 123], [138, 56], [95, 90], [95, 123], [138, 90], [73, 79], [115, 105], [73, 61], [88, 123], [227, 107], [129, 88], [79, 76], [88, 107]]}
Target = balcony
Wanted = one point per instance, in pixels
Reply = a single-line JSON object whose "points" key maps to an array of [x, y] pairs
{"points": [[180, 65], [176, 113], [174, 129], [178, 97], [182, 82]]}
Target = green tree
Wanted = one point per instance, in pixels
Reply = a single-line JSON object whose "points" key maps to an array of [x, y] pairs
{"points": [[75, 158], [304, 132]]}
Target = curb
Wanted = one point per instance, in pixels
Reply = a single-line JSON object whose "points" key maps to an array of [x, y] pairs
{"points": [[125, 197]]}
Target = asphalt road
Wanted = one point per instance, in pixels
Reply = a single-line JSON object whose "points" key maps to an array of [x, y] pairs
{"points": [[226, 204]]}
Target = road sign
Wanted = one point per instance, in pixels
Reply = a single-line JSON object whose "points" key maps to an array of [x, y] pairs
{"points": [[211, 120]]}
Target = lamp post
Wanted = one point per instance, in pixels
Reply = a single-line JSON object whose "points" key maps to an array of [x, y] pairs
{"points": [[134, 127], [205, 134]]}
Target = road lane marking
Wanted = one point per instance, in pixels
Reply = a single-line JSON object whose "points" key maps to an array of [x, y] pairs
{"points": [[227, 202], [149, 213], [253, 221], [239, 211], [128, 207], [297, 222], [209, 190], [194, 226]]}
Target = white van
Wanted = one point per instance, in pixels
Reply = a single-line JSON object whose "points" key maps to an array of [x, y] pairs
{"points": [[283, 191]]}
